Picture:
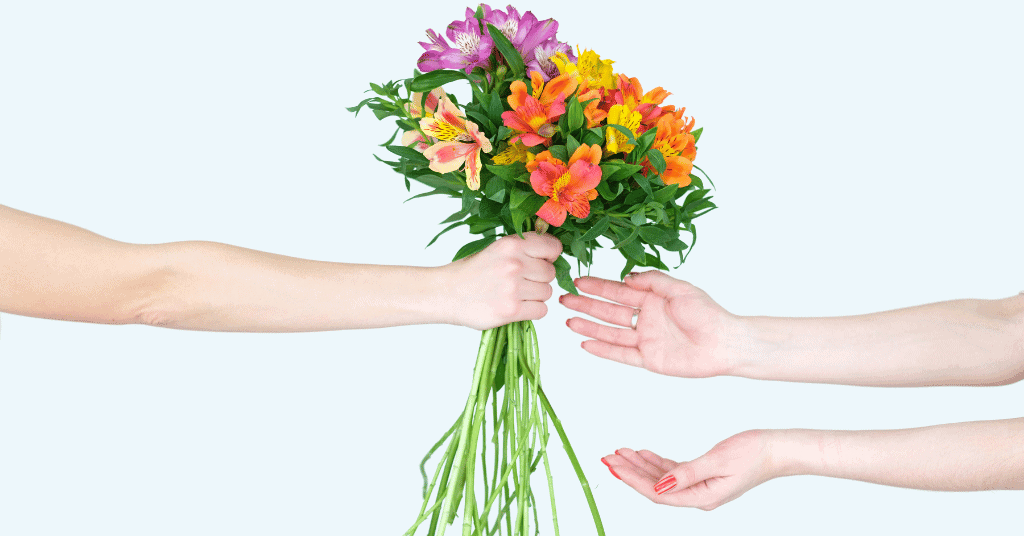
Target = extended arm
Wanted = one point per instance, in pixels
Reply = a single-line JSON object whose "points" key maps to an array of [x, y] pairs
{"points": [[51, 269], [683, 332], [971, 456]]}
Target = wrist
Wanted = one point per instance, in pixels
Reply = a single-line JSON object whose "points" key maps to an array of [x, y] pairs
{"points": [[797, 452], [743, 345], [442, 288]]}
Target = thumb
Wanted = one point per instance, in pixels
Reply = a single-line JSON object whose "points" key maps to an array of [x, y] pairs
{"points": [[657, 282], [685, 475]]}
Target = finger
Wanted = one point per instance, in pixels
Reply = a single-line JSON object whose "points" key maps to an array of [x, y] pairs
{"points": [[611, 290], [632, 477], [626, 356], [664, 464], [542, 246], [538, 270], [657, 282], [530, 291], [616, 336], [601, 310], [641, 463], [531, 310], [685, 475]]}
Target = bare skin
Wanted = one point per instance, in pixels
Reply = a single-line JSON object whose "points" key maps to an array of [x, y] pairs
{"points": [[682, 332], [59, 271]]}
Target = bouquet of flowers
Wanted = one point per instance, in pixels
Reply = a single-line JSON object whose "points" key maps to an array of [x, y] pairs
{"points": [[550, 141]]}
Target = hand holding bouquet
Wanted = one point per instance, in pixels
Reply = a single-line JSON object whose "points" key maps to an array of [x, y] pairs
{"points": [[550, 141]]}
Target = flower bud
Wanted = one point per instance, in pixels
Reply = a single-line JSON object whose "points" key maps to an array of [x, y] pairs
{"points": [[501, 71], [541, 226]]}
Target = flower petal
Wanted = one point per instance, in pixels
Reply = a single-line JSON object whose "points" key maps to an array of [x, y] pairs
{"points": [[473, 170], [553, 213], [447, 156]]}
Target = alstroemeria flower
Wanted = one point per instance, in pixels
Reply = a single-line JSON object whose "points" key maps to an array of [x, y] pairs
{"points": [[677, 145], [532, 116], [615, 140], [515, 152], [589, 69], [460, 142], [541, 58], [472, 48], [418, 104], [569, 188], [630, 93]]}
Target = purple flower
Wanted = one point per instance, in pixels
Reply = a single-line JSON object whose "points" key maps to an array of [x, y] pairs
{"points": [[540, 58], [472, 48]]}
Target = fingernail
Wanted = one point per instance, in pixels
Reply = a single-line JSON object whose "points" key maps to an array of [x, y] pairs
{"points": [[567, 322], [614, 473], [561, 298], [665, 484], [604, 461]]}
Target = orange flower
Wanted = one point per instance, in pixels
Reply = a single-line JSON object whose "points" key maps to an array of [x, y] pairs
{"points": [[460, 142], [569, 188], [677, 145], [532, 116], [630, 93]]}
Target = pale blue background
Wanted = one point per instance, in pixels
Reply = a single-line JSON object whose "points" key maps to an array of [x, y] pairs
{"points": [[867, 157]]}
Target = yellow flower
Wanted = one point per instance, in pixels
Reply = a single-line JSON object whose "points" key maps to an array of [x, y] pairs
{"points": [[615, 140], [589, 68], [514, 153]]}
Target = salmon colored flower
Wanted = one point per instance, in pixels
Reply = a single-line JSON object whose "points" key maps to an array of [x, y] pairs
{"points": [[418, 104], [569, 188], [460, 142], [533, 116]]}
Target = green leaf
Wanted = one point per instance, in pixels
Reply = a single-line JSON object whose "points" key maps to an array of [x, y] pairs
{"points": [[575, 113], [571, 144], [598, 229], [638, 218], [468, 196], [509, 52], [706, 176], [533, 204], [509, 172], [518, 219], [629, 267], [564, 277], [474, 247], [645, 184], [625, 171], [445, 182], [657, 160], [455, 217], [656, 235], [482, 120], [409, 153], [666, 194], [519, 197], [425, 194], [606, 191], [644, 142], [696, 134], [490, 209], [446, 229], [559, 152], [625, 131], [435, 79], [494, 189], [495, 108], [590, 137]]}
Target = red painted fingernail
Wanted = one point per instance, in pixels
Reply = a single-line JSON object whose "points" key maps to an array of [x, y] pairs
{"points": [[604, 461], [561, 298], [665, 484], [613, 473], [567, 322]]}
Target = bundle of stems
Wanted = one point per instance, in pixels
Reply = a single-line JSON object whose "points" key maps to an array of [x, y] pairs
{"points": [[506, 375]]}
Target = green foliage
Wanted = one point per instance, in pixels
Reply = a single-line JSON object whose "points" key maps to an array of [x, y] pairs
{"points": [[635, 212]]}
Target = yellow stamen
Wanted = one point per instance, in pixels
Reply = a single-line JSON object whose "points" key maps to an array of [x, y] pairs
{"points": [[559, 185]]}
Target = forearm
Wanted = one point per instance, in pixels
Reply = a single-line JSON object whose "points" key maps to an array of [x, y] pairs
{"points": [[962, 342], [986, 455], [217, 287]]}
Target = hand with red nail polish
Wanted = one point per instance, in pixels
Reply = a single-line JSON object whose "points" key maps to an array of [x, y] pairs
{"points": [[680, 330], [727, 471]]}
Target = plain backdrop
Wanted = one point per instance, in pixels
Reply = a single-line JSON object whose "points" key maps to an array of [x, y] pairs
{"points": [[866, 157]]}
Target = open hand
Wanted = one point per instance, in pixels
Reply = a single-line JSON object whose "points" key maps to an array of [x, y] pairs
{"points": [[727, 471], [680, 330]]}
